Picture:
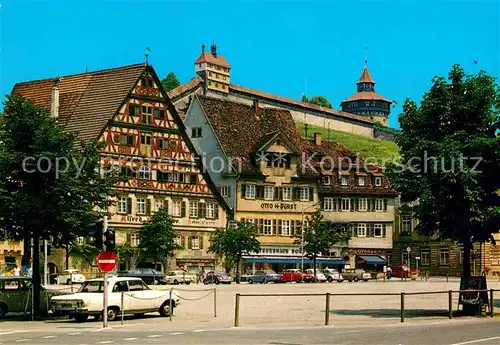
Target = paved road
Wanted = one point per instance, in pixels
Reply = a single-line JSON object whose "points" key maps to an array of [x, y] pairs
{"points": [[455, 332]]}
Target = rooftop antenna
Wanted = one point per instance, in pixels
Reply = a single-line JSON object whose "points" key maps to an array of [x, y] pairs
{"points": [[147, 54], [366, 56], [86, 64]]}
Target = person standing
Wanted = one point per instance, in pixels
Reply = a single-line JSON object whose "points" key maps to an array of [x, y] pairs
{"points": [[17, 271]]}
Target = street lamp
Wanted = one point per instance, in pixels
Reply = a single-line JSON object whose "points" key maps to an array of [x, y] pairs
{"points": [[302, 234]]}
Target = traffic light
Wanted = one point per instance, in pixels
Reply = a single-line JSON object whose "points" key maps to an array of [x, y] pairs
{"points": [[94, 231], [109, 240]]}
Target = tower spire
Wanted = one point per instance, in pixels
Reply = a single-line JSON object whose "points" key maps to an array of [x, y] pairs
{"points": [[147, 55]]}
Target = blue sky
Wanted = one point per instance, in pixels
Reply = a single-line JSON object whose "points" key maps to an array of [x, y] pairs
{"points": [[281, 47]]}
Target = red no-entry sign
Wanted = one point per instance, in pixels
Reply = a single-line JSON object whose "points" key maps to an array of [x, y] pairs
{"points": [[106, 261]]}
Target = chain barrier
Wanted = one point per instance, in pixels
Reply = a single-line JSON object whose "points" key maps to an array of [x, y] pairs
{"points": [[196, 299]]}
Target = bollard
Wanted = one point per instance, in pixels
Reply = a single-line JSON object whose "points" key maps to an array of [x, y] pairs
{"points": [[491, 302], [237, 311], [450, 307], [446, 277], [215, 302], [121, 306], [170, 312], [402, 307], [327, 309]]}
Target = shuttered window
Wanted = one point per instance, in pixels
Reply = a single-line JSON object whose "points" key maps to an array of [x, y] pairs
{"points": [[122, 205], [141, 206]]}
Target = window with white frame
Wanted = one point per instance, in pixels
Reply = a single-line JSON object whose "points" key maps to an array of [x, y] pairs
{"points": [[193, 209], [328, 204], [80, 240], [224, 191], [159, 204], [362, 204], [361, 180], [361, 230], [304, 193], [345, 204], [210, 210], [377, 230], [144, 172], [444, 257], [195, 242], [378, 181], [425, 257], [287, 193], [250, 191], [177, 208], [141, 206], [134, 239], [379, 204], [286, 227], [267, 228], [327, 180], [343, 180], [268, 193], [405, 224], [122, 205]]}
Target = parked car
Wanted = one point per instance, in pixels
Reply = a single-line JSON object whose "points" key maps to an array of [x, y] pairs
{"points": [[332, 274], [320, 277], [179, 277], [70, 276], [402, 271], [15, 296], [213, 277], [148, 275], [356, 274], [292, 275], [264, 277], [138, 299]]}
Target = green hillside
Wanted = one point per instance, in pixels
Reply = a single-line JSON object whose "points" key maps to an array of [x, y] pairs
{"points": [[377, 150]]}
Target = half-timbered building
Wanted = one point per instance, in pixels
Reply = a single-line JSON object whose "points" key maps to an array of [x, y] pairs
{"points": [[144, 137]]}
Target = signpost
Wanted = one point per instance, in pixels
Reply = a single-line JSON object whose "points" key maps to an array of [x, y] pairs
{"points": [[408, 250], [417, 258], [106, 261]]}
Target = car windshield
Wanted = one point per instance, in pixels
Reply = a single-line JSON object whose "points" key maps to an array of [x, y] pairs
{"points": [[92, 286]]}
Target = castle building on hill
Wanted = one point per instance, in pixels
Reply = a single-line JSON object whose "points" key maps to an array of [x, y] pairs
{"points": [[366, 102], [213, 80]]}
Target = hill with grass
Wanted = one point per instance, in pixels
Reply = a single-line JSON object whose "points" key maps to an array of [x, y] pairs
{"points": [[374, 150]]}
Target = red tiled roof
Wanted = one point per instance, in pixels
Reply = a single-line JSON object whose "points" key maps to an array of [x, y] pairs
{"points": [[328, 111], [179, 90], [208, 57], [87, 101], [366, 95], [366, 77]]}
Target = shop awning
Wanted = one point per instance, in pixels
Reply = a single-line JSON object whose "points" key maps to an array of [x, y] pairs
{"points": [[292, 260], [372, 259]]}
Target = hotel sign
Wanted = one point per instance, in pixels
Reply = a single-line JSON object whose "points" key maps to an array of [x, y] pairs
{"points": [[290, 251], [284, 206], [202, 222], [136, 219]]}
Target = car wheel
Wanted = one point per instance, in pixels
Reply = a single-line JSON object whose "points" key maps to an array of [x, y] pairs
{"points": [[81, 318], [330, 279], [299, 281], [165, 308], [112, 314], [139, 315], [205, 282], [349, 281], [176, 282], [3, 309], [340, 281], [217, 281], [355, 279], [187, 283], [68, 281], [250, 281]]}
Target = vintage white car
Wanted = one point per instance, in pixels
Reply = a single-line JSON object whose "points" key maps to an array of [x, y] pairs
{"points": [[179, 277], [320, 277], [70, 276], [138, 299]]}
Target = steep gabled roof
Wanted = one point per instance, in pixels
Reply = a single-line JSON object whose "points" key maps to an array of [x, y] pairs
{"points": [[186, 87], [87, 101], [208, 57], [366, 77]]}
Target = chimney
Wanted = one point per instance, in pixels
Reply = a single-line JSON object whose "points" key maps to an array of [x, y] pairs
{"points": [[202, 48], [54, 100], [317, 139], [214, 50], [256, 109]]}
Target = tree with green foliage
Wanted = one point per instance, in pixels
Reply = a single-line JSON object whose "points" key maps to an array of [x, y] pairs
{"points": [[127, 252], [157, 238], [231, 244], [317, 100], [170, 82], [319, 236], [50, 185], [450, 152], [84, 254]]}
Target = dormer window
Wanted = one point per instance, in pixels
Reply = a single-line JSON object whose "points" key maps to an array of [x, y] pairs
{"points": [[378, 181], [343, 180], [361, 180], [327, 180], [279, 160]]}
